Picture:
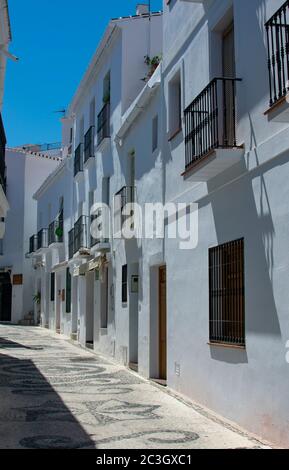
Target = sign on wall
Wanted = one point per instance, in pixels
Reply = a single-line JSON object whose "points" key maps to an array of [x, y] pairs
{"points": [[17, 280]]}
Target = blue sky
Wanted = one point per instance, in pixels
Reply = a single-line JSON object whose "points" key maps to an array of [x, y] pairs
{"points": [[55, 40]]}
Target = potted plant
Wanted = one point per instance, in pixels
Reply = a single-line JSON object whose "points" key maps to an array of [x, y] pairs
{"points": [[152, 63], [59, 232]]}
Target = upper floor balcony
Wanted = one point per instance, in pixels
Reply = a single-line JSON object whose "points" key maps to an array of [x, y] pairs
{"points": [[98, 242], [33, 244], [71, 243], [210, 131], [103, 124], [277, 31], [89, 144], [78, 160], [81, 237], [126, 195], [55, 233], [42, 240]]}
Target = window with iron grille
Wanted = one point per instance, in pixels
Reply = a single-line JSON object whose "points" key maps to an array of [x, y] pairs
{"points": [[227, 299], [124, 285], [52, 287], [277, 31]]}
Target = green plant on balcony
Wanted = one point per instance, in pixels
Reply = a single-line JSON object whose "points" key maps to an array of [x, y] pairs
{"points": [[152, 64], [59, 232], [37, 298]]}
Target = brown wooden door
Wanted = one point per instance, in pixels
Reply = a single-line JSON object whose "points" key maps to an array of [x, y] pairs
{"points": [[163, 323]]}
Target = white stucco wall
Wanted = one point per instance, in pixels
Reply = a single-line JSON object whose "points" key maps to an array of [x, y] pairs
{"points": [[249, 386], [24, 174]]}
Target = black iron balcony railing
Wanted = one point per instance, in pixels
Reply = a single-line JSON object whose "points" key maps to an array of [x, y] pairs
{"points": [[103, 123], [55, 232], [42, 239], [33, 244], [277, 29], [71, 243], [210, 120], [127, 195], [2, 156], [81, 238], [89, 144], [97, 219], [78, 160]]}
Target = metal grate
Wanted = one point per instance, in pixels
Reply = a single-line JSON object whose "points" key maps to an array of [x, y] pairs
{"points": [[71, 243], [33, 244], [55, 231], [227, 303], [210, 120], [42, 239], [78, 160], [89, 144], [81, 234], [277, 30], [103, 124]]}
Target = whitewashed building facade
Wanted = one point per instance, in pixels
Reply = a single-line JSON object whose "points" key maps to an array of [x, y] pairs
{"points": [[5, 39], [25, 171], [208, 129]]}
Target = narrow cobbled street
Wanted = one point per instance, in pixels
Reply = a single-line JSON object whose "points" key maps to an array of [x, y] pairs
{"points": [[56, 395]]}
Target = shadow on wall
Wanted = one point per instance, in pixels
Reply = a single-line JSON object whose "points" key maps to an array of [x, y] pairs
{"points": [[34, 416], [235, 214], [229, 355]]}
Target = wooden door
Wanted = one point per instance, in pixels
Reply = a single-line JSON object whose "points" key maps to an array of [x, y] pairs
{"points": [[163, 323]]}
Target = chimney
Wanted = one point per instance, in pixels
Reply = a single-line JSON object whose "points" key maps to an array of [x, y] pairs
{"points": [[142, 9]]}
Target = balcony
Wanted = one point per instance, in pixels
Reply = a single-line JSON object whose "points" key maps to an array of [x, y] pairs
{"points": [[78, 160], [33, 244], [210, 131], [55, 233], [81, 237], [277, 29], [98, 243], [126, 195], [103, 124], [42, 240], [89, 144], [71, 243]]}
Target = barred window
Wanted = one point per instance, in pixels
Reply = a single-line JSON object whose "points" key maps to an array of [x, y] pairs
{"points": [[227, 299]]}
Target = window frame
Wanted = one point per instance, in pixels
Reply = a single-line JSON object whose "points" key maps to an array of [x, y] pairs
{"points": [[227, 294]]}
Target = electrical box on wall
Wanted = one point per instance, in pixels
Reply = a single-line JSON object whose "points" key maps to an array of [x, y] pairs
{"points": [[134, 284]]}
